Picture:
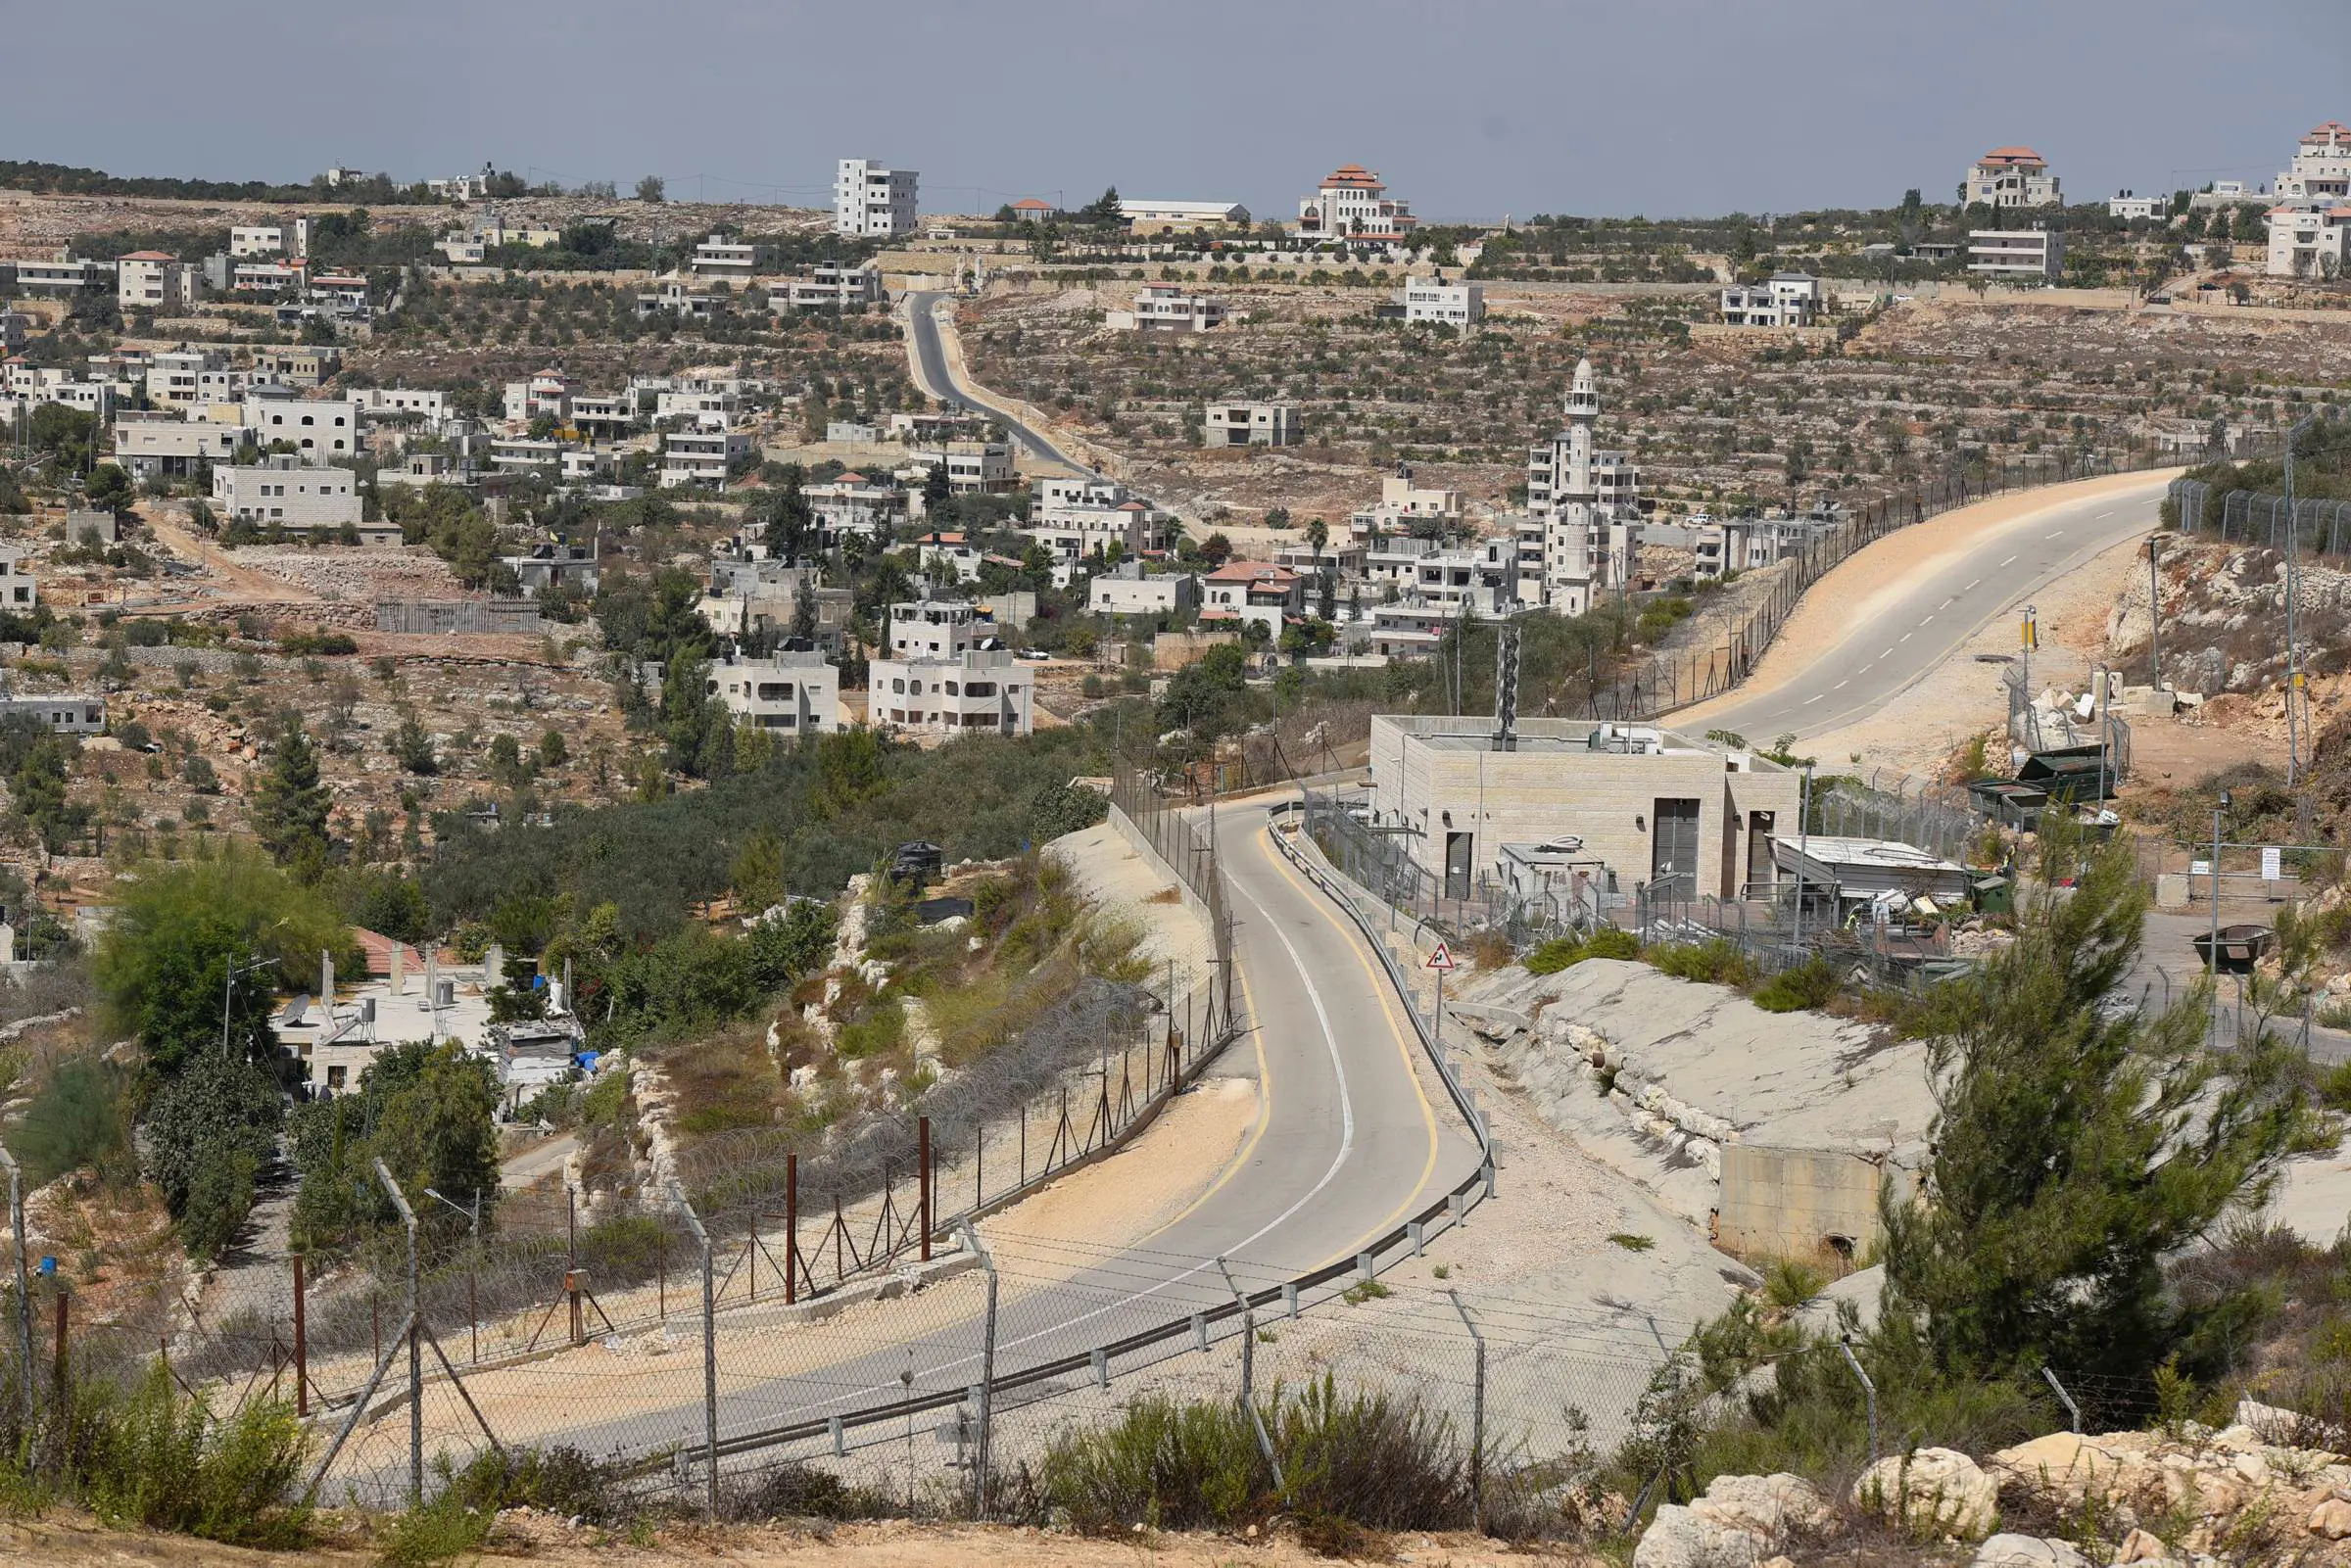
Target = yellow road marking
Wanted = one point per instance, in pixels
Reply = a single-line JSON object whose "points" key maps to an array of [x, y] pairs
{"points": [[1380, 989], [1265, 1111]]}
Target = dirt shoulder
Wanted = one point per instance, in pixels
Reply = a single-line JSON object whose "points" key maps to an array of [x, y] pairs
{"points": [[67, 1540]]}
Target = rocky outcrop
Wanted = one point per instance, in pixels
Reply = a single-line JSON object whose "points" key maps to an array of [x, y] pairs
{"points": [[1932, 1491], [1740, 1522], [2028, 1552]]}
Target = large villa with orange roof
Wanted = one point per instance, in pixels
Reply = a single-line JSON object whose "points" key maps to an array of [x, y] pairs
{"points": [[2310, 227], [1353, 205], [2011, 176]]}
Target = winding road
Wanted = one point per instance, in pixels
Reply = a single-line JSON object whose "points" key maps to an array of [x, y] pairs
{"points": [[1902, 633], [1352, 1137], [931, 363]]}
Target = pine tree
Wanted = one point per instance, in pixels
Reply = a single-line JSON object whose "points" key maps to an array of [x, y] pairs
{"points": [[2076, 1146], [290, 808]]}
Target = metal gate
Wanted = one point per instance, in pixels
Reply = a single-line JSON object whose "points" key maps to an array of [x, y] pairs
{"points": [[1673, 850]]}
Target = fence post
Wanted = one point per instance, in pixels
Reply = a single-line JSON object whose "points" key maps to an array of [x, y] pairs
{"points": [[58, 1366], [16, 1220], [792, 1227], [988, 1371], [1248, 1336], [302, 1344], [407, 1217], [2064, 1399], [923, 1158], [1477, 1418], [694, 1223], [1869, 1392]]}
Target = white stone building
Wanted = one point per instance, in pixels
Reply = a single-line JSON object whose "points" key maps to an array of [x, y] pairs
{"points": [[1435, 301], [1582, 534], [1252, 592], [162, 442], [320, 430], [152, 280], [1353, 205], [2307, 228], [1151, 216], [828, 286], [791, 694], [872, 200], [2017, 255], [2011, 176], [284, 494], [1128, 590], [724, 257], [1165, 308], [701, 457], [19, 589], [983, 691], [1784, 300], [1251, 424]]}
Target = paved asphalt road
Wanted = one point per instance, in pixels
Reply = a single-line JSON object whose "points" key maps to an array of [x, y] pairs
{"points": [[1347, 1144], [1904, 640], [923, 332]]}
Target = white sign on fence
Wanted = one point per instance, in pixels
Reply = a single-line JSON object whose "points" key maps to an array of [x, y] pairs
{"points": [[2273, 863], [2199, 867]]}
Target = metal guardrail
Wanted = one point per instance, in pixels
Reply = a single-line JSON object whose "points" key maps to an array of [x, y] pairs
{"points": [[1452, 1207]]}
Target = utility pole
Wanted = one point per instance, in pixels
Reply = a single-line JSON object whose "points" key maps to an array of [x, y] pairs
{"points": [[2293, 595], [2212, 955]]}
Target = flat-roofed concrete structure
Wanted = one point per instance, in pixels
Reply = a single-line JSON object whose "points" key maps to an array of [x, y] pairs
{"points": [[1683, 817]]}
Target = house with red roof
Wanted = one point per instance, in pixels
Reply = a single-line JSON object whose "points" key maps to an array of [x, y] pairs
{"points": [[2010, 177], [1353, 204]]}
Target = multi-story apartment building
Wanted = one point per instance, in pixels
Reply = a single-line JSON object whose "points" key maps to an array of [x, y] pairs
{"points": [[724, 255], [1433, 300], [282, 492], [606, 413], [2017, 255], [159, 442], [257, 239], [153, 280], [319, 430], [828, 286], [1075, 518], [19, 589], [175, 377], [2010, 177], [870, 199], [1252, 592], [2307, 227], [855, 505], [2128, 208], [793, 694], [60, 274], [1582, 534], [297, 365], [429, 409], [1784, 300], [1251, 424], [549, 392], [701, 457], [1353, 205], [981, 690], [973, 467], [1164, 307], [704, 408]]}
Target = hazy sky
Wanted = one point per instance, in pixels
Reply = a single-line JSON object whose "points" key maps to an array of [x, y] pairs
{"points": [[1470, 107]]}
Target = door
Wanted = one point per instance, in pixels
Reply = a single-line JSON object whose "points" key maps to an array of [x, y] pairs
{"points": [[1761, 872], [1457, 865], [1673, 849]]}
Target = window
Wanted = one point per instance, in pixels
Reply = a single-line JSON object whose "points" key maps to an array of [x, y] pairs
{"points": [[897, 684], [979, 688], [952, 689]]}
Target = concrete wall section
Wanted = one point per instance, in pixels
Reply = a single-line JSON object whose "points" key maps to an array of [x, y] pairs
{"points": [[1816, 1205]]}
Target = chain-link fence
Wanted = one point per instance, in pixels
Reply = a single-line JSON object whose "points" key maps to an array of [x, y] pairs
{"points": [[1679, 678]]}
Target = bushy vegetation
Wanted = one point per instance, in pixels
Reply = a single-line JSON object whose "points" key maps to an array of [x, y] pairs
{"points": [[1563, 952], [1375, 1460], [145, 1455]]}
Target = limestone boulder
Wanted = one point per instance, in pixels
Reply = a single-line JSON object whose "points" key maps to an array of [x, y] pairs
{"points": [[1741, 1522], [2027, 1552], [2065, 1469], [1932, 1491]]}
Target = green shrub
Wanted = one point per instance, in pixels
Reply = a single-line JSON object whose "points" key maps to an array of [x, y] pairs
{"points": [[1562, 951], [1810, 985], [879, 1032], [74, 1123], [2334, 1087], [158, 1460], [1715, 963], [1164, 1465]]}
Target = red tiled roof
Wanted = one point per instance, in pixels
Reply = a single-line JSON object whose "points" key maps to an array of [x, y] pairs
{"points": [[378, 950], [2012, 155], [1030, 204], [1251, 572], [148, 256]]}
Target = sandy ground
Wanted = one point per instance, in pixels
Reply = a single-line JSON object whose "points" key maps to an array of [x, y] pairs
{"points": [[1113, 876], [65, 1539], [1867, 582], [1917, 730]]}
